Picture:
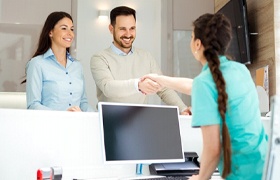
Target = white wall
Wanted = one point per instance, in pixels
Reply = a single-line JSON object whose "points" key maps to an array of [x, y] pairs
{"points": [[93, 34], [185, 12]]}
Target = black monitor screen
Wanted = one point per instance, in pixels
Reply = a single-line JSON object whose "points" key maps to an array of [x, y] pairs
{"points": [[140, 133], [239, 49]]}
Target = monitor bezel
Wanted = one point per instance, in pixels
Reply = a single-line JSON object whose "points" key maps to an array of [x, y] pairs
{"points": [[144, 161]]}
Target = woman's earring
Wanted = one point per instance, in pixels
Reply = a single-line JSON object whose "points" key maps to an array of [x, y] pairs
{"points": [[195, 52]]}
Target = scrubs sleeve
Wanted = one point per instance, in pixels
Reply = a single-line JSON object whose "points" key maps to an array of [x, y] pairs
{"points": [[204, 104]]}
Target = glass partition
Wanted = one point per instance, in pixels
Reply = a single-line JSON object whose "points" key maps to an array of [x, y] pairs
{"points": [[20, 26], [185, 65]]}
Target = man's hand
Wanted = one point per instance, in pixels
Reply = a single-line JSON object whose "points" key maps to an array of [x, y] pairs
{"points": [[187, 111], [148, 86]]}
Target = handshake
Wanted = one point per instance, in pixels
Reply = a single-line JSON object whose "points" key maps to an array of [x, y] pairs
{"points": [[150, 84]]}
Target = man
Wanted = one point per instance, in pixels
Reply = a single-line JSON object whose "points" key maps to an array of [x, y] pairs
{"points": [[117, 71]]}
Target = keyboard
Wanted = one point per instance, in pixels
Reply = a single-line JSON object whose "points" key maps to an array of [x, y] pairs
{"points": [[145, 178], [165, 178]]}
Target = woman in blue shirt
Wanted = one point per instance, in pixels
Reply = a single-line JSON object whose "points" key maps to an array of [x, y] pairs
{"points": [[224, 104], [55, 80]]}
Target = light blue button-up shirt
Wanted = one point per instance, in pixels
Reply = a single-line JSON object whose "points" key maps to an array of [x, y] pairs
{"points": [[50, 86], [120, 52]]}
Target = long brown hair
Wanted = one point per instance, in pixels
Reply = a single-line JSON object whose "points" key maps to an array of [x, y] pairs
{"points": [[45, 40], [214, 31]]}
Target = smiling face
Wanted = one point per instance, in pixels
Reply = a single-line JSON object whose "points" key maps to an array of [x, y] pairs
{"points": [[124, 32], [62, 34]]}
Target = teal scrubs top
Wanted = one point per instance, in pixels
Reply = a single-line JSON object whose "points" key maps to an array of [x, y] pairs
{"points": [[248, 138]]}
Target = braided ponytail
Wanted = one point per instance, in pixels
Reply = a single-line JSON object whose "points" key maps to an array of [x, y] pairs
{"points": [[214, 31], [222, 107]]}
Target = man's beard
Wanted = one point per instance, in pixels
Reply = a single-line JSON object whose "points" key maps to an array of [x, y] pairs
{"points": [[123, 45]]}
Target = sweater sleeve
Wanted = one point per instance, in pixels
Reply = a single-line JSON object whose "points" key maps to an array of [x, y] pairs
{"points": [[170, 97], [105, 81]]}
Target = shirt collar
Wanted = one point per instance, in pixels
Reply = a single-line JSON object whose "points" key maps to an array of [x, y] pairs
{"points": [[50, 53], [120, 52], [222, 59]]}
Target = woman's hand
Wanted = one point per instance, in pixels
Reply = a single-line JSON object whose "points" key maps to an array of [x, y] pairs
{"points": [[148, 86], [74, 109], [194, 177], [154, 77]]}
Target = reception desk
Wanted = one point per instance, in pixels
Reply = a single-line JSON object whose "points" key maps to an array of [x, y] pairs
{"points": [[32, 139]]}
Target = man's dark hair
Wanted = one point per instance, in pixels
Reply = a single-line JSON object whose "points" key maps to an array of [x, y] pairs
{"points": [[121, 10]]}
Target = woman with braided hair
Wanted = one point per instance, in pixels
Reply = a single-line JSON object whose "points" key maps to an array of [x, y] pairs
{"points": [[224, 105]]}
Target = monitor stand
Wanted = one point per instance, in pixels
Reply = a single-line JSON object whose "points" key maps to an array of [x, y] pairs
{"points": [[139, 168]]}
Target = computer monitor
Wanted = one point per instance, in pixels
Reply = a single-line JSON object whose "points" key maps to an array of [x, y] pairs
{"points": [[239, 47], [140, 134]]}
